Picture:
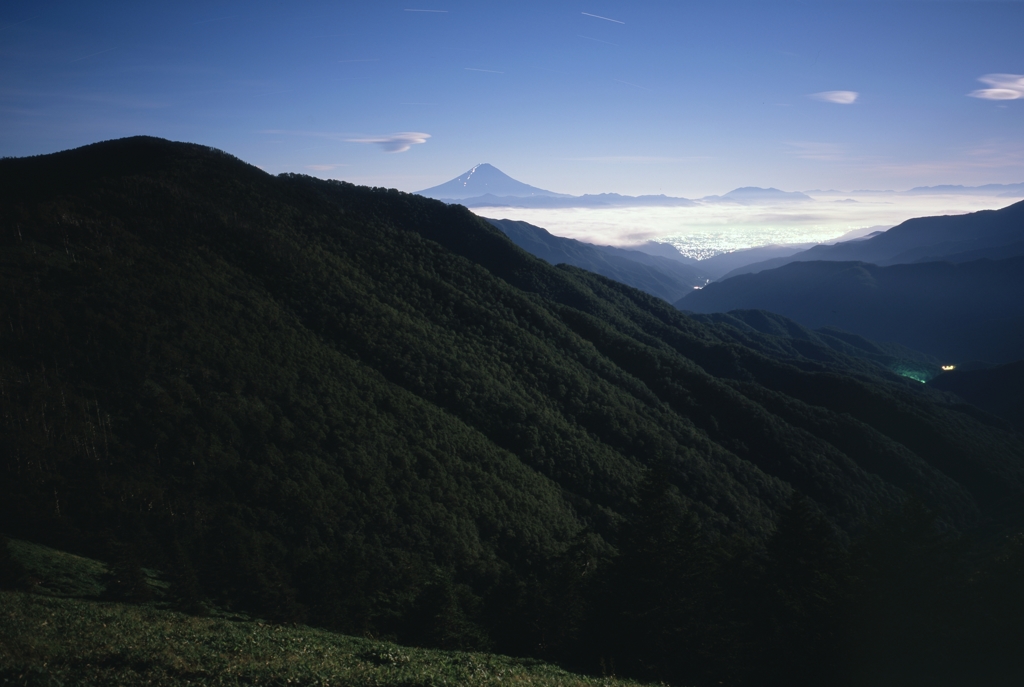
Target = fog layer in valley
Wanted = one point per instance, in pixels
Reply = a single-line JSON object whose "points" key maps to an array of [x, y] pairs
{"points": [[710, 229]]}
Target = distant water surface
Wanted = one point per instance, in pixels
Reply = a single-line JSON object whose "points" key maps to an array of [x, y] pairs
{"points": [[706, 230]]}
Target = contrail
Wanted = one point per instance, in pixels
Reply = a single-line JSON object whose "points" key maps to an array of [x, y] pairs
{"points": [[489, 71], [438, 11], [598, 16]]}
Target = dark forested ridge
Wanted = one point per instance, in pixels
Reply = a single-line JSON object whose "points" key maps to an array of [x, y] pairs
{"points": [[657, 275], [959, 312], [371, 411], [998, 389], [992, 234]]}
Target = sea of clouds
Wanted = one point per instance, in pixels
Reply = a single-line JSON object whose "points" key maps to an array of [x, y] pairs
{"points": [[705, 230]]}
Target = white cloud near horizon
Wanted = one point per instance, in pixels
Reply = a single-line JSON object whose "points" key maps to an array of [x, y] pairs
{"points": [[837, 97], [395, 143], [324, 168], [1004, 87]]}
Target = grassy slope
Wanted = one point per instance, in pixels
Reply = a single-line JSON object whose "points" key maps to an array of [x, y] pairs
{"points": [[64, 634], [74, 641]]}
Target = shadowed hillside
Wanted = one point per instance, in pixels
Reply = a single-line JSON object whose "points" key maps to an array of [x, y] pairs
{"points": [[992, 234], [999, 390], [371, 411], [659, 276], [957, 312]]}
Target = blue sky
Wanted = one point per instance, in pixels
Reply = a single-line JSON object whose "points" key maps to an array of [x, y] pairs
{"points": [[579, 97]]}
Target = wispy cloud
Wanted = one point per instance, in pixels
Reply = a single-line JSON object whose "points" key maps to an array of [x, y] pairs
{"points": [[489, 71], [394, 143], [837, 97], [430, 11], [324, 168], [598, 16], [375, 59], [1004, 87]]}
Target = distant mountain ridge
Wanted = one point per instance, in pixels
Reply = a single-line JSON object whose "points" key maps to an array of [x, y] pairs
{"points": [[1004, 190], [996, 190], [992, 234], [486, 186], [956, 312], [753, 195], [659, 276]]}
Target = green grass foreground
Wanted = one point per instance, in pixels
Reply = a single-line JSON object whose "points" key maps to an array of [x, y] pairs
{"points": [[61, 641]]}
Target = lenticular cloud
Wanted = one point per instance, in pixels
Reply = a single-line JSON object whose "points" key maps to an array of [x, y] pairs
{"points": [[395, 143], [837, 97], [1004, 87]]}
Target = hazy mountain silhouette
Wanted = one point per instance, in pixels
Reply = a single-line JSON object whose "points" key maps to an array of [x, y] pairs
{"points": [[1003, 190], [659, 276], [481, 180], [990, 233], [727, 264], [719, 265], [664, 250], [753, 195], [957, 312]]}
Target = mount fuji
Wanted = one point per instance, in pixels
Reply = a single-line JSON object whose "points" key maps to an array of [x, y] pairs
{"points": [[484, 180], [487, 186]]}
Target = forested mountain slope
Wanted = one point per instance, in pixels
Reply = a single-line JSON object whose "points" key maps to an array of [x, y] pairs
{"points": [[659, 276], [791, 339], [956, 311], [993, 234], [999, 390], [371, 410]]}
